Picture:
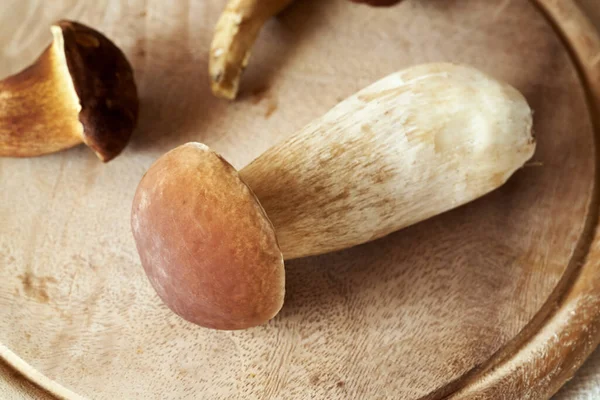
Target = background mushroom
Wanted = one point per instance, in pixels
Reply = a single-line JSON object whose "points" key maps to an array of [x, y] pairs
{"points": [[235, 34], [410, 146], [80, 90]]}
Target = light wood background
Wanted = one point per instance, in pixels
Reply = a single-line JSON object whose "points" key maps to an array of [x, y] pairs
{"points": [[178, 54]]}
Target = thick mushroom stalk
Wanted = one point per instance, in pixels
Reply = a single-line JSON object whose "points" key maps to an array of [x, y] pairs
{"points": [[235, 34], [80, 90], [412, 145]]}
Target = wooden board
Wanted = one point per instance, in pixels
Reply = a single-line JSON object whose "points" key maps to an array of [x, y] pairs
{"points": [[492, 300]]}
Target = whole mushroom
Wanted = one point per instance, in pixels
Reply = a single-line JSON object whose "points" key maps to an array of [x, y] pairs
{"points": [[412, 145]]}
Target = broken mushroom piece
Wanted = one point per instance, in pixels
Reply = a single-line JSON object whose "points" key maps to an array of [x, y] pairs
{"points": [[235, 34], [412, 145], [81, 89]]}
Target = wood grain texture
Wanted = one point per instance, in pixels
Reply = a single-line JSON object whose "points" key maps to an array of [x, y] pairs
{"points": [[585, 385], [408, 316], [14, 386]]}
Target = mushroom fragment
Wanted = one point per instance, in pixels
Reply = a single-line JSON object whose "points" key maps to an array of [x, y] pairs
{"points": [[235, 34], [80, 89]]}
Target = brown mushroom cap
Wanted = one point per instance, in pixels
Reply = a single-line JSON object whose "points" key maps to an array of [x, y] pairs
{"points": [[103, 80], [205, 242]]}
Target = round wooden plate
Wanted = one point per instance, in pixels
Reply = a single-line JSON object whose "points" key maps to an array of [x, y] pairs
{"points": [[499, 299]]}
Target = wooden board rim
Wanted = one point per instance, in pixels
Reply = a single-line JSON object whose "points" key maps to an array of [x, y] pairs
{"points": [[571, 314]]}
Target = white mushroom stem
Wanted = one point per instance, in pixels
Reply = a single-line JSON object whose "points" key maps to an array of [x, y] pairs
{"points": [[413, 145]]}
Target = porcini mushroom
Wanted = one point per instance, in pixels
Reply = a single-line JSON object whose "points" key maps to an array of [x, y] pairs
{"points": [[80, 89], [235, 34], [412, 145]]}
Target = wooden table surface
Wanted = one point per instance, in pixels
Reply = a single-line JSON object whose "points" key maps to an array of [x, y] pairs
{"points": [[585, 385]]}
